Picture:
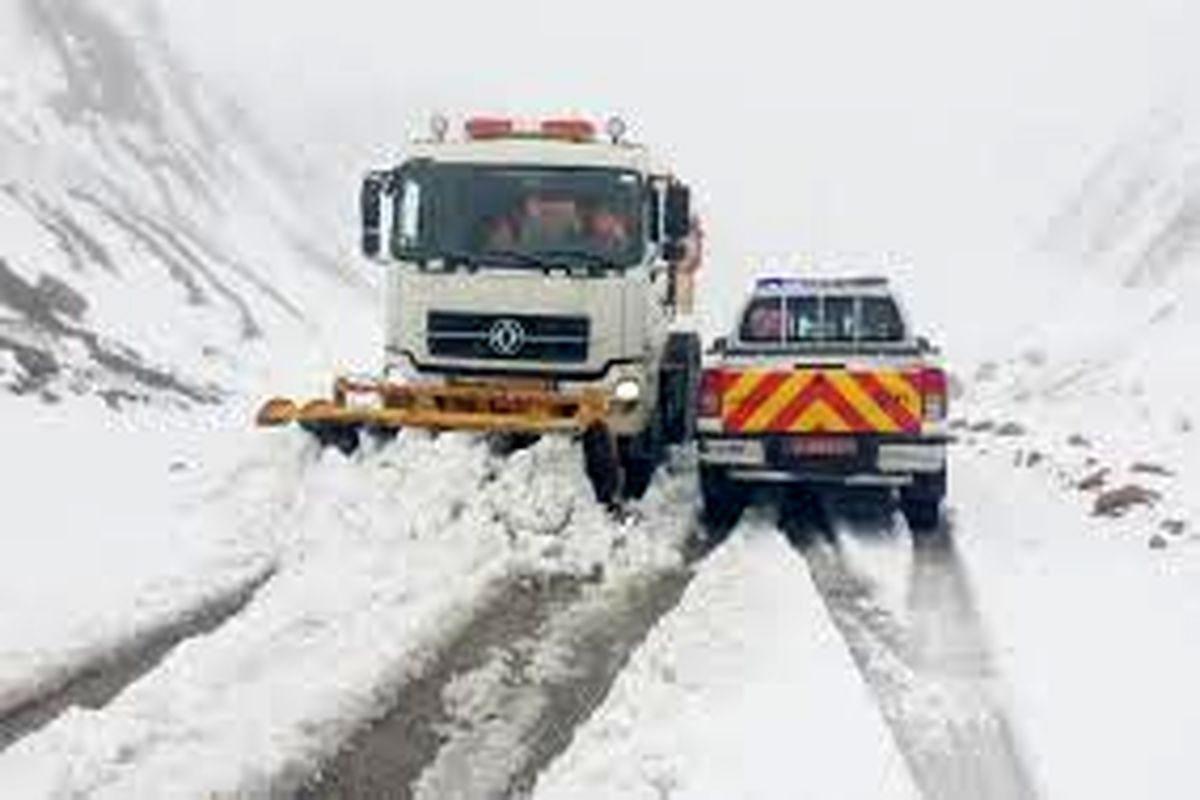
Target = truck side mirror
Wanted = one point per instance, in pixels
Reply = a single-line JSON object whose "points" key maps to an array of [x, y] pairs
{"points": [[719, 345], [655, 202], [674, 250], [371, 206], [927, 346], [677, 215]]}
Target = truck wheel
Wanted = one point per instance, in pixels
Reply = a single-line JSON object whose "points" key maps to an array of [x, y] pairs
{"points": [[641, 456], [601, 463], [922, 502], [677, 386], [723, 501], [329, 434], [381, 436]]}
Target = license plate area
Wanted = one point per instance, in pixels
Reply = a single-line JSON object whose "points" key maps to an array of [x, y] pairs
{"points": [[820, 447]]}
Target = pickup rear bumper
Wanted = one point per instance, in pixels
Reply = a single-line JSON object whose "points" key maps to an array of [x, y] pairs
{"points": [[884, 460]]}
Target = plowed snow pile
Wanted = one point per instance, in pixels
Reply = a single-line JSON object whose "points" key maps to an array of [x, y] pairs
{"points": [[377, 560]]}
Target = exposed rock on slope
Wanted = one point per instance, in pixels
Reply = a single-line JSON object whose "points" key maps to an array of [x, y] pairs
{"points": [[150, 242]]}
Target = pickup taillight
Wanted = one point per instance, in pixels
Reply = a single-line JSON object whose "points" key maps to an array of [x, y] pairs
{"points": [[712, 385], [934, 399]]}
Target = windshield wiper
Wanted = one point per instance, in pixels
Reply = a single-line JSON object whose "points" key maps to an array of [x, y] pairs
{"points": [[473, 258], [586, 256], [541, 259], [515, 257]]}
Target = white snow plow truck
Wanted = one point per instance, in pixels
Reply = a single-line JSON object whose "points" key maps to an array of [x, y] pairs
{"points": [[539, 281], [823, 383]]}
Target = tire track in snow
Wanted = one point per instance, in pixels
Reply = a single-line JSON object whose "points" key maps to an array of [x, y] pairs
{"points": [[96, 684], [923, 650], [505, 697]]}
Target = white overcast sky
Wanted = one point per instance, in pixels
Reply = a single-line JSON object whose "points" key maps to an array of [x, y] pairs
{"points": [[840, 130]]}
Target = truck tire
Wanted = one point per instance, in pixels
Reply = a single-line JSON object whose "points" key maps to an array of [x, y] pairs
{"points": [[723, 501], [678, 382], [640, 457], [922, 502], [602, 464], [331, 434]]}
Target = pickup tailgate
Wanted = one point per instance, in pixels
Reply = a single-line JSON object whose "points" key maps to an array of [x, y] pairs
{"points": [[819, 400]]}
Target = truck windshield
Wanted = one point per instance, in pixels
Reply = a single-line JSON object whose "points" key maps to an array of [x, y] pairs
{"points": [[520, 216], [805, 319]]}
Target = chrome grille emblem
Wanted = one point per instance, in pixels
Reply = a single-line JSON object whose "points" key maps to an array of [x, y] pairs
{"points": [[506, 337]]}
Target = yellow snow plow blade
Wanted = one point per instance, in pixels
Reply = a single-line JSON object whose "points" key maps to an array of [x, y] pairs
{"points": [[474, 407]]}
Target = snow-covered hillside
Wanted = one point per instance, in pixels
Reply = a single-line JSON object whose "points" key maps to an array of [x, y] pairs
{"points": [[1137, 216], [153, 246], [1101, 380]]}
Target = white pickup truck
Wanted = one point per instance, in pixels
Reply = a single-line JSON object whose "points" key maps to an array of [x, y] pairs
{"points": [[823, 382]]}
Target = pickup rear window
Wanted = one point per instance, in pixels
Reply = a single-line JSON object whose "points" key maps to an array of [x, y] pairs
{"points": [[822, 318]]}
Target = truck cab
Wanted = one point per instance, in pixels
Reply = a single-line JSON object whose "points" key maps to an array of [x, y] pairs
{"points": [[540, 260], [823, 382]]}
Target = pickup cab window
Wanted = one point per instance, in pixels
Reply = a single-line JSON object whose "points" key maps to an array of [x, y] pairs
{"points": [[763, 321], [804, 319], [879, 321]]}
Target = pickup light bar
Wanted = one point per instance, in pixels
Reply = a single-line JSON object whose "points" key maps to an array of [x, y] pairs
{"points": [[780, 282]]}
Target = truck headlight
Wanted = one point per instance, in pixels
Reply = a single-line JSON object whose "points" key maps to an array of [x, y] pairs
{"points": [[362, 401], [627, 390]]}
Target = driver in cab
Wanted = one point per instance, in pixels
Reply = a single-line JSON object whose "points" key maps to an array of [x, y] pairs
{"points": [[543, 223], [540, 223]]}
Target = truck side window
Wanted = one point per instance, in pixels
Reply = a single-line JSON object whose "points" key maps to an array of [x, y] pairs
{"points": [[763, 321], [880, 320], [410, 213], [804, 319]]}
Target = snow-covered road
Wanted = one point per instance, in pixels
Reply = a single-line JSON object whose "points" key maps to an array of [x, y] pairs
{"points": [[439, 621], [378, 564], [908, 613]]}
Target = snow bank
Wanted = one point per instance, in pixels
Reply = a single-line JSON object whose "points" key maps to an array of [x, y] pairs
{"points": [[101, 544], [745, 690], [378, 559], [1096, 635]]}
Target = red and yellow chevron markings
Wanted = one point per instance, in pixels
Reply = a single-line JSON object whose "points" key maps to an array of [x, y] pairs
{"points": [[821, 401]]}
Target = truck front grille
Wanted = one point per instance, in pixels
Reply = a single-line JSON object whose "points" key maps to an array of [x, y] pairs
{"points": [[508, 337]]}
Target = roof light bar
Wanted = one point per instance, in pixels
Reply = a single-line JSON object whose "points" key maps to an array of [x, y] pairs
{"points": [[482, 128], [791, 281], [565, 129], [571, 130]]}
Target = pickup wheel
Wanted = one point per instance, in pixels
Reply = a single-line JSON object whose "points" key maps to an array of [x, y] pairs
{"points": [[922, 502], [723, 500], [677, 386], [601, 463]]}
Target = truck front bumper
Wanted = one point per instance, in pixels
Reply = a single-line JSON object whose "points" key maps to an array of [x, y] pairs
{"points": [[874, 460]]}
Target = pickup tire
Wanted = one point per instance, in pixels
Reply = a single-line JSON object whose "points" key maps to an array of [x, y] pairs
{"points": [[922, 502], [723, 499], [678, 381]]}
